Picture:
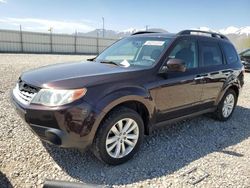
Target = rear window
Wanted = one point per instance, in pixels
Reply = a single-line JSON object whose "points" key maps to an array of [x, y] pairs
{"points": [[230, 53]]}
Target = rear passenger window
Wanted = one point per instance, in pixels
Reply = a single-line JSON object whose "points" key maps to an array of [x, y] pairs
{"points": [[230, 53], [210, 54]]}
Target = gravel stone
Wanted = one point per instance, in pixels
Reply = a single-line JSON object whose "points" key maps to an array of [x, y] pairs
{"points": [[219, 148]]}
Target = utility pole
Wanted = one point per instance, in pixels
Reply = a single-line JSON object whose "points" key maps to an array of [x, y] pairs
{"points": [[75, 40], [103, 30], [21, 38], [50, 30], [97, 41]]}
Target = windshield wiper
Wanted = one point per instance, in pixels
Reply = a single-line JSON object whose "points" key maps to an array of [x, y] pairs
{"points": [[110, 62], [91, 59]]}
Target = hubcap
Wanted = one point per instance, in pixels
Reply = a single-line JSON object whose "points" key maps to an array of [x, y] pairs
{"points": [[122, 138], [228, 105]]}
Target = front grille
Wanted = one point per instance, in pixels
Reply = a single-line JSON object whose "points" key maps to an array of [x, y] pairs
{"points": [[24, 93]]}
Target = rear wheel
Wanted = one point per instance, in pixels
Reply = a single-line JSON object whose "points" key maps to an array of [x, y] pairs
{"points": [[226, 106], [119, 136]]}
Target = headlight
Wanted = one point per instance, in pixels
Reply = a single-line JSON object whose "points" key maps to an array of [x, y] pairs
{"points": [[54, 97]]}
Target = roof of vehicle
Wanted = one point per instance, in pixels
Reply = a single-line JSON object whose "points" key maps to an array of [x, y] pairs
{"points": [[193, 33], [155, 34]]}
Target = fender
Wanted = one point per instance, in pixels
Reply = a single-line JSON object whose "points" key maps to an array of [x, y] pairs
{"points": [[121, 95], [231, 81], [131, 93]]}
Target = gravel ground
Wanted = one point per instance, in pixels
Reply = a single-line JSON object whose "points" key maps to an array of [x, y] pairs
{"points": [[218, 149]]}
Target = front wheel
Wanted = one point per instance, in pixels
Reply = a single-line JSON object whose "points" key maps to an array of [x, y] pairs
{"points": [[119, 136], [226, 106]]}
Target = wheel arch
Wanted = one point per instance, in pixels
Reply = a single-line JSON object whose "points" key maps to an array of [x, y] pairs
{"points": [[134, 98], [137, 106], [232, 86]]}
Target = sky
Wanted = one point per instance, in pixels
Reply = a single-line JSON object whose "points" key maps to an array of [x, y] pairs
{"points": [[66, 16]]}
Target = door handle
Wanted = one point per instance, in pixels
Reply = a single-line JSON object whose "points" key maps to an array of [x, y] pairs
{"points": [[199, 78]]}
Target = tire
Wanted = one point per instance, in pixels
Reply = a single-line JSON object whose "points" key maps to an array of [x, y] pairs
{"points": [[219, 114], [102, 145]]}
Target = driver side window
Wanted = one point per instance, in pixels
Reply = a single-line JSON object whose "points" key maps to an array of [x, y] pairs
{"points": [[186, 50]]}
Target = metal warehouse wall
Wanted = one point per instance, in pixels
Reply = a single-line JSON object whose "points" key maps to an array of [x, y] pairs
{"points": [[33, 42]]}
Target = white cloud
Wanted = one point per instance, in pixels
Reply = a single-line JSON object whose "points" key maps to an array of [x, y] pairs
{"points": [[33, 24], [3, 1]]}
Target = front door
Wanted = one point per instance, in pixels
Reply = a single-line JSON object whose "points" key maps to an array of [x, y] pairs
{"points": [[180, 93]]}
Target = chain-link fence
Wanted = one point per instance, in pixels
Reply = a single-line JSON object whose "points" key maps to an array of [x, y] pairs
{"points": [[34, 42]]}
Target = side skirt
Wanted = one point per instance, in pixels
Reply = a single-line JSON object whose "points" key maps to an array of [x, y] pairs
{"points": [[167, 122]]}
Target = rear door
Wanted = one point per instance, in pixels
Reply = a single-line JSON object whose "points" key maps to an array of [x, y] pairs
{"points": [[213, 71]]}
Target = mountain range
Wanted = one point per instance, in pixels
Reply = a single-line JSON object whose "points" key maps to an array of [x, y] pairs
{"points": [[117, 34], [230, 30], [240, 36]]}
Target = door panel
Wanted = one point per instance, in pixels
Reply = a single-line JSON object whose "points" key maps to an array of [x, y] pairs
{"points": [[180, 90], [213, 82]]}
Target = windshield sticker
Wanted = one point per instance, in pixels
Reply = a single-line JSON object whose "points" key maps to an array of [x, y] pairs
{"points": [[154, 43], [125, 63]]}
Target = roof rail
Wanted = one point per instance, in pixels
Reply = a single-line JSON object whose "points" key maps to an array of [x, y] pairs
{"points": [[189, 32], [144, 32]]}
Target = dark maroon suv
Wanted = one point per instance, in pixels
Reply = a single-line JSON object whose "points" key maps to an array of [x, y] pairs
{"points": [[148, 79]]}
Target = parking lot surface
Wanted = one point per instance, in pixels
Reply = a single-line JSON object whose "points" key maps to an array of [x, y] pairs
{"points": [[199, 152]]}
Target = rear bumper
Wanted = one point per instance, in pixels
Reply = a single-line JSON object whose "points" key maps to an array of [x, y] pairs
{"points": [[71, 126]]}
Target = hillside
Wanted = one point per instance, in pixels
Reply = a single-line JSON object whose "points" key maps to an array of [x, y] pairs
{"points": [[239, 36], [118, 34]]}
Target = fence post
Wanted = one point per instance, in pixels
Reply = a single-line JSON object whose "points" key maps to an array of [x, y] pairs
{"points": [[75, 40], [97, 43], [51, 47], [21, 38]]}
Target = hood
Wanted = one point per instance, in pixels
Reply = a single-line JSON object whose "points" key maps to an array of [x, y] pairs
{"points": [[73, 75]]}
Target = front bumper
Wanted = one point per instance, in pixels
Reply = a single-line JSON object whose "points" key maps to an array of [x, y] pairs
{"points": [[73, 125]]}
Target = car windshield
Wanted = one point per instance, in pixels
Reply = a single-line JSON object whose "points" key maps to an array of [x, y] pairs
{"points": [[134, 51]]}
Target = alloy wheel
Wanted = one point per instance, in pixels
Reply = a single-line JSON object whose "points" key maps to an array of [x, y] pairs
{"points": [[122, 138], [228, 105]]}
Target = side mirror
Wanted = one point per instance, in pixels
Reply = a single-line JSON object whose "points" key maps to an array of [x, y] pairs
{"points": [[174, 65]]}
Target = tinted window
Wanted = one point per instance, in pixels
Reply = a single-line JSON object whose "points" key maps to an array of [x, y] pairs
{"points": [[230, 53], [210, 54], [187, 51]]}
